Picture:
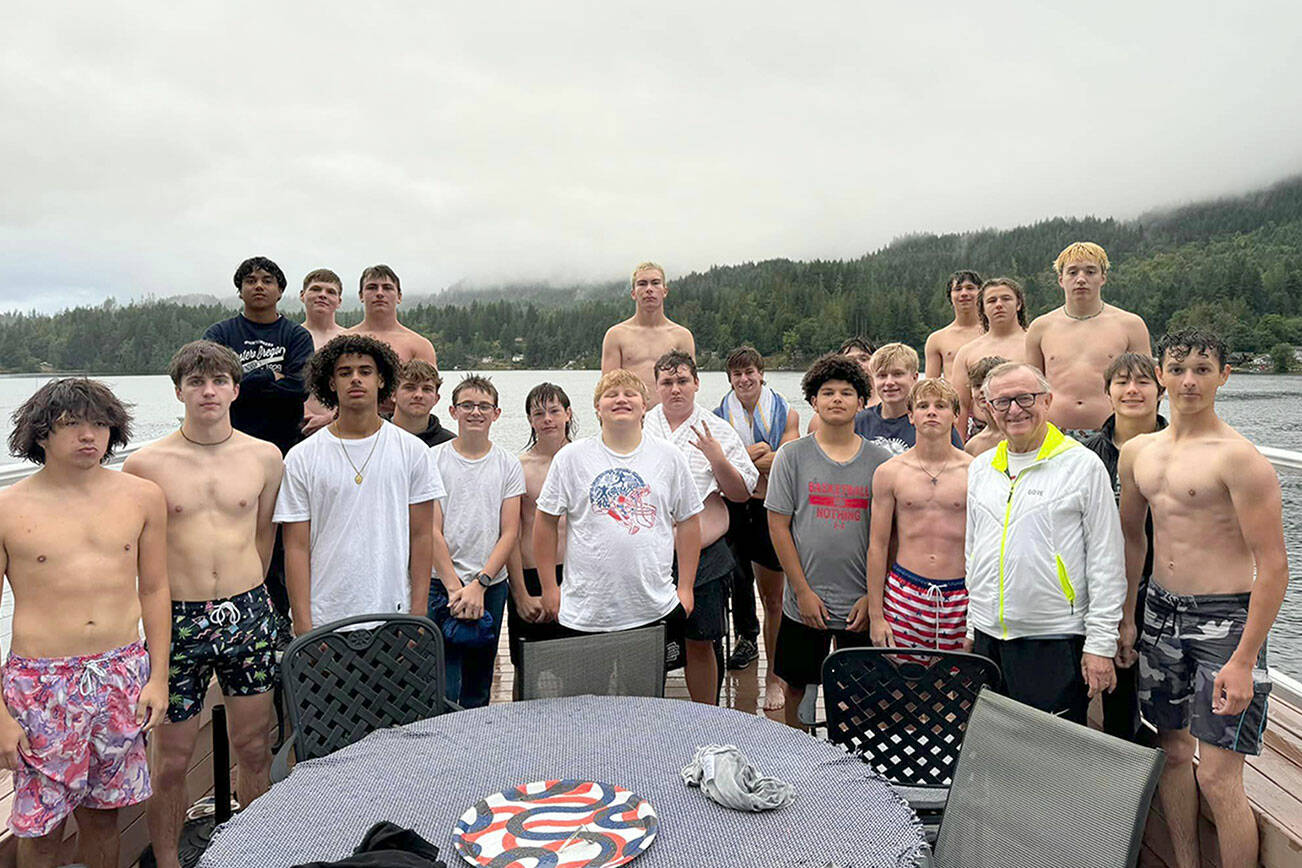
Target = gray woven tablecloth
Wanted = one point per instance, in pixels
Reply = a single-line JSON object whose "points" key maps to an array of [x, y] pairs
{"points": [[426, 774]]}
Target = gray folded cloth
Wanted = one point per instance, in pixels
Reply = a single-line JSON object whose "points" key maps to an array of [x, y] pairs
{"points": [[725, 775]]}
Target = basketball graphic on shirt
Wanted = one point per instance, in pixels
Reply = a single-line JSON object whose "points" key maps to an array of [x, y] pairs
{"points": [[562, 823], [623, 495]]}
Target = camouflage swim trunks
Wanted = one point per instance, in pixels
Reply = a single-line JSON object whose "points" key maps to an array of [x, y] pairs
{"points": [[1186, 640], [234, 637]]}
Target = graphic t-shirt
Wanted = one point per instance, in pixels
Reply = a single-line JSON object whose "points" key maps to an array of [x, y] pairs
{"points": [[472, 509], [360, 536], [267, 408], [829, 504], [619, 536], [894, 435]]}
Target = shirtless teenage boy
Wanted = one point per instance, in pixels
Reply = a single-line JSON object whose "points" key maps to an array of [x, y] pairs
{"points": [[648, 334], [989, 435], [220, 486], [381, 293], [1220, 570], [1002, 306], [321, 295], [551, 426], [920, 498], [79, 687], [1075, 343], [942, 344]]}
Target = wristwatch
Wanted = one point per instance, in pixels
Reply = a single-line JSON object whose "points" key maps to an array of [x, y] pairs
{"points": [[483, 579]]}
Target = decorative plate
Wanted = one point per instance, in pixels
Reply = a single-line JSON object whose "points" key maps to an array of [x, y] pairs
{"points": [[556, 824]]}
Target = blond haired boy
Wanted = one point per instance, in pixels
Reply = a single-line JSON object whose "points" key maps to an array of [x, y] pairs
{"points": [[1074, 344], [894, 370], [629, 504]]}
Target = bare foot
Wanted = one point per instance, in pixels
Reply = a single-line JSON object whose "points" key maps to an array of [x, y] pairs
{"points": [[774, 697]]}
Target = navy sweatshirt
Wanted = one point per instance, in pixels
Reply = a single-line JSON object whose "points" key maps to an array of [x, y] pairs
{"points": [[267, 408]]}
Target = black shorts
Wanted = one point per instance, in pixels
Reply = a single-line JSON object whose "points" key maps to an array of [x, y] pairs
{"points": [[233, 638], [1042, 672], [801, 650], [675, 634], [519, 630], [748, 532], [709, 618]]}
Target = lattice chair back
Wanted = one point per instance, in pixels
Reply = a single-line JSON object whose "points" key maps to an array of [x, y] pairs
{"points": [[341, 684], [626, 663], [904, 711], [1032, 789]]}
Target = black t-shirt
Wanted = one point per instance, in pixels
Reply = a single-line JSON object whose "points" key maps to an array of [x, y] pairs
{"points": [[267, 408], [1101, 445]]}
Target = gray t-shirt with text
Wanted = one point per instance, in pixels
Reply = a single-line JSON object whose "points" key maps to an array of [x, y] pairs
{"points": [[829, 503]]}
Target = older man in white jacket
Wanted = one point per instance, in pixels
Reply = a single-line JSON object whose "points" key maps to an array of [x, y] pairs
{"points": [[1045, 558]]}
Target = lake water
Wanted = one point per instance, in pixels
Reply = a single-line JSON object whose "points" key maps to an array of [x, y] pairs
{"points": [[1265, 408]]}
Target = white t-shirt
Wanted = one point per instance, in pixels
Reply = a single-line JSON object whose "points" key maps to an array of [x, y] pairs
{"points": [[1019, 461], [472, 510], [360, 537], [619, 537], [682, 437]]}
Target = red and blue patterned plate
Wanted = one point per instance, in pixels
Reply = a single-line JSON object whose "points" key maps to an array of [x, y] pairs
{"points": [[556, 824]]}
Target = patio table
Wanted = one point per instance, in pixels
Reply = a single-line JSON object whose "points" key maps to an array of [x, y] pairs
{"points": [[425, 775]]}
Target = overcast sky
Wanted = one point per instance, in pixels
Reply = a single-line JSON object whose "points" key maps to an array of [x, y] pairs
{"points": [[148, 148]]}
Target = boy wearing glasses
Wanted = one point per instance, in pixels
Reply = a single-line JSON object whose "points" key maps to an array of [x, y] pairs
{"points": [[480, 520], [1045, 565]]}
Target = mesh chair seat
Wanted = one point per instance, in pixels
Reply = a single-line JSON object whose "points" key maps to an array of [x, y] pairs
{"points": [[342, 684], [904, 713], [1032, 789], [624, 663]]}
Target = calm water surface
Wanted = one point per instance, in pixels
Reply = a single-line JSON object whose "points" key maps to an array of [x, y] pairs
{"points": [[1265, 408]]}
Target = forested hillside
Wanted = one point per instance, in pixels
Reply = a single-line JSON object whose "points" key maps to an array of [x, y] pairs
{"points": [[1234, 265]]}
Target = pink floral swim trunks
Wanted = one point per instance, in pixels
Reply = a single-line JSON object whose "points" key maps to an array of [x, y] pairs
{"points": [[79, 714]]}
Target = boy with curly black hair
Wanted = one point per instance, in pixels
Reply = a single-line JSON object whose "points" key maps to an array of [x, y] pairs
{"points": [[818, 502], [357, 501]]}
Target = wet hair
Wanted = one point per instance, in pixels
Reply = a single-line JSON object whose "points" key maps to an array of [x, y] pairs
{"points": [[540, 396], [71, 398], [647, 266], [744, 356], [896, 353], [978, 371], [253, 263], [321, 370], [672, 361], [1132, 365], [205, 357], [834, 366], [323, 275], [475, 381], [857, 343], [1011, 367], [935, 387], [1081, 251], [958, 277], [379, 271], [1017, 291], [620, 377], [1180, 344], [419, 371]]}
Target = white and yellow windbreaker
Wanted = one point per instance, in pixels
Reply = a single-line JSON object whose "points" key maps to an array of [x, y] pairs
{"points": [[1044, 552]]}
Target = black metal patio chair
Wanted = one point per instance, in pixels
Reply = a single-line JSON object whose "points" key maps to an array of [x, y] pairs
{"points": [[904, 712], [1032, 789], [341, 684]]}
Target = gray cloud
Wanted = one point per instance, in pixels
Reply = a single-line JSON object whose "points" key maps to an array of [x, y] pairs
{"points": [[149, 148]]}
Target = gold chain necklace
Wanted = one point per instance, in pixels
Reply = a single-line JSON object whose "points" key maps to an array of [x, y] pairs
{"points": [[349, 459]]}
